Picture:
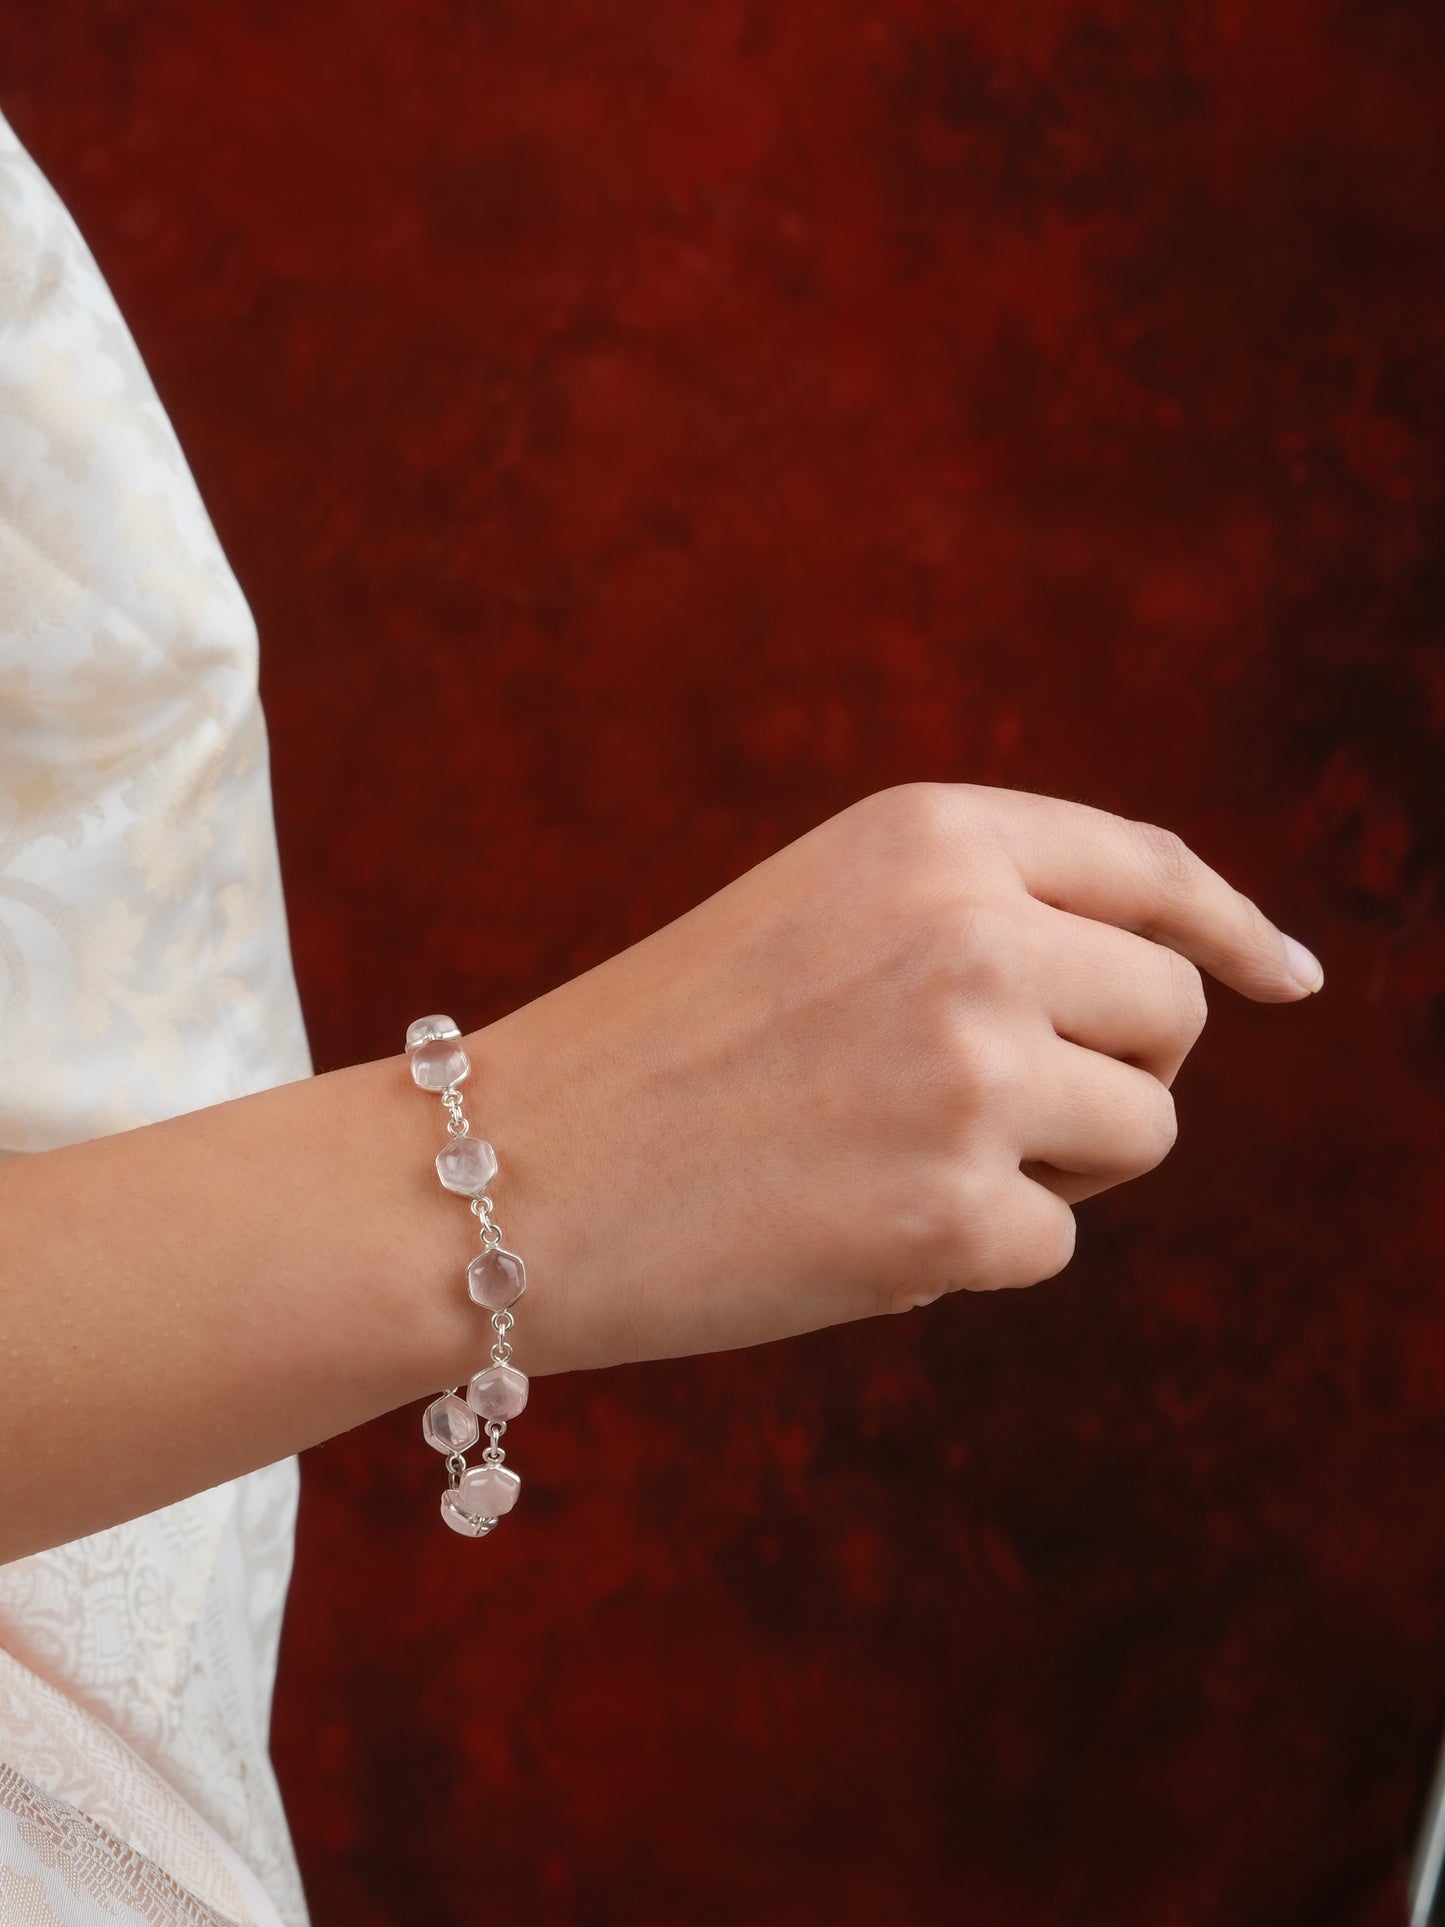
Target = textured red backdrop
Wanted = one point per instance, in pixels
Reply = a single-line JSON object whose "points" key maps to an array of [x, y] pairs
{"points": [[642, 430]]}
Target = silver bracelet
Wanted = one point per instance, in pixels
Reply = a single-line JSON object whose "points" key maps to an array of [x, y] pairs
{"points": [[496, 1278]]}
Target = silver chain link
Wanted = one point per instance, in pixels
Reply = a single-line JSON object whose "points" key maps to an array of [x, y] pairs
{"points": [[481, 1210], [502, 1323]]}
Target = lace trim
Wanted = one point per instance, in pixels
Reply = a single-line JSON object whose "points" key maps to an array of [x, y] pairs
{"points": [[92, 1864]]}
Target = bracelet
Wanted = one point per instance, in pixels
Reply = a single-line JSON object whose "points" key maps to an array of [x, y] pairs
{"points": [[496, 1278]]}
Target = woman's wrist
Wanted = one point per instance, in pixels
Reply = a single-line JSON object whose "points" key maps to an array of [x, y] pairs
{"points": [[214, 1291]]}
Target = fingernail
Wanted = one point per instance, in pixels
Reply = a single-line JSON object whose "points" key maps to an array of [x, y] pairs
{"points": [[1304, 966]]}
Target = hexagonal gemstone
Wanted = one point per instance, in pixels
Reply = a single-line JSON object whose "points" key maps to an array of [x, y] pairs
{"points": [[471, 1525], [422, 1029], [496, 1278], [498, 1392], [467, 1164], [487, 1491], [449, 1424], [439, 1063]]}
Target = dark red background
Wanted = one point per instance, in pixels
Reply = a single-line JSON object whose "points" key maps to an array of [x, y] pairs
{"points": [[641, 431]]}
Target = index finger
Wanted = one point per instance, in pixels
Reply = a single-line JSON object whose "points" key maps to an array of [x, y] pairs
{"points": [[1147, 879]]}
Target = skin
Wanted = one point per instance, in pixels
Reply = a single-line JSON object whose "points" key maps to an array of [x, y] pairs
{"points": [[882, 1066]]}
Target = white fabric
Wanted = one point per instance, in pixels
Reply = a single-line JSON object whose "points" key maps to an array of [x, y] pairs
{"points": [[145, 971]]}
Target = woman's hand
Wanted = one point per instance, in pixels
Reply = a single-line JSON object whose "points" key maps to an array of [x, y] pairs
{"points": [[881, 1066]]}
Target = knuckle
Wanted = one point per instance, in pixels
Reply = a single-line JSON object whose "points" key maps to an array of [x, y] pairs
{"points": [[958, 969], [987, 1069], [1039, 1251], [1191, 1005], [902, 1292], [1161, 1133], [1170, 860], [980, 943], [910, 813], [956, 1205], [934, 1235], [966, 1055], [893, 1292], [985, 934], [1058, 1251]]}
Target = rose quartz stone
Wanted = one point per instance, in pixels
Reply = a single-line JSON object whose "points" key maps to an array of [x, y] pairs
{"points": [[496, 1278], [487, 1491], [422, 1029], [467, 1165], [449, 1424], [498, 1392], [472, 1525], [436, 1065]]}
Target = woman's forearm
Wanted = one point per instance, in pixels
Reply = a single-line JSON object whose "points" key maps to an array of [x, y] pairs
{"points": [[189, 1300]]}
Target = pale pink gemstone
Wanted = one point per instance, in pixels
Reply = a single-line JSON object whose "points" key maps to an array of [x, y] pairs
{"points": [[498, 1392], [467, 1164], [471, 1525], [424, 1028], [436, 1065], [449, 1424], [487, 1491], [496, 1278]]}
